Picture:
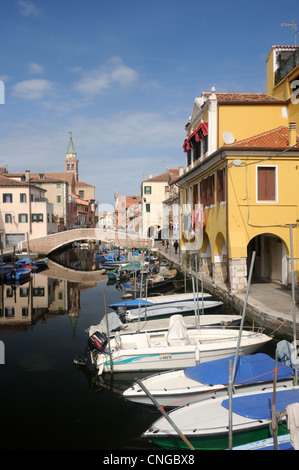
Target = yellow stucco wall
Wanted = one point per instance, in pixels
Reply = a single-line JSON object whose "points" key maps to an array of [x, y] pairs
{"points": [[245, 121], [248, 218]]}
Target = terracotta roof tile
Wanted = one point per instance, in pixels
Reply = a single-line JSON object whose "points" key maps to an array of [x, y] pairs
{"points": [[243, 98], [4, 181], [274, 138], [164, 176]]}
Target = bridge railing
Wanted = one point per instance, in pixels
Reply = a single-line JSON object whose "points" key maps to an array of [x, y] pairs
{"points": [[49, 243]]}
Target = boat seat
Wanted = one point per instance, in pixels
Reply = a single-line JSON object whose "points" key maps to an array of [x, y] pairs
{"points": [[177, 334]]}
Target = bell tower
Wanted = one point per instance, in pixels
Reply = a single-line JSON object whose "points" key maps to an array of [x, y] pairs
{"points": [[71, 161]]}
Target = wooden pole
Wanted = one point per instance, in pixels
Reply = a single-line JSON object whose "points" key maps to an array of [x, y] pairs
{"points": [[230, 415], [274, 423], [2, 273], [108, 332], [165, 414], [243, 314], [293, 303]]}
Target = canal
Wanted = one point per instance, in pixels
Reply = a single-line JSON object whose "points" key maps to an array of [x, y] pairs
{"points": [[48, 402]]}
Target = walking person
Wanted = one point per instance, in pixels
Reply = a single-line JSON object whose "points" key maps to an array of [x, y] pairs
{"points": [[176, 245]]}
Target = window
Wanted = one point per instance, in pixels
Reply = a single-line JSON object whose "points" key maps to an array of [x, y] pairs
{"points": [[81, 194], [207, 191], [266, 183], [188, 157], [147, 207], [205, 144], [203, 192], [221, 185], [37, 217], [59, 199], [22, 197], [58, 185], [210, 190], [147, 190], [23, 218], [196, 150], [8, 219], [7, 197]]}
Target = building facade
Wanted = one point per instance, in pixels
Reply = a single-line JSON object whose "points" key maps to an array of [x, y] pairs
{"points": [[154, 191], [242, 169], [24, 212]]}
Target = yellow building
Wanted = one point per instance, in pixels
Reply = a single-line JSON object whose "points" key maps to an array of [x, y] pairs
{"points": [[243, 168]]}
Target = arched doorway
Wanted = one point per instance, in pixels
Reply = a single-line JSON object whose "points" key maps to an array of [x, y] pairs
{"points": [[271, 258], [154, 231]]}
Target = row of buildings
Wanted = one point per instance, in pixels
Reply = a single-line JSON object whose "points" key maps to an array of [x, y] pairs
{"points": [[39, 204], [238, 192]]}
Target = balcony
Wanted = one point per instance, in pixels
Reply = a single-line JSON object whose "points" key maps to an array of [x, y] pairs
{"points": [[287, 66]]}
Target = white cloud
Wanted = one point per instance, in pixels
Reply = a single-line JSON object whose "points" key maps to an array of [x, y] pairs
{"points": [[32, 89], [114, 72], [28, 8], [35, 69]]}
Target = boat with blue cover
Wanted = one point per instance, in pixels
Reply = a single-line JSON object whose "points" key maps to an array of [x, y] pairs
{"points": [[205, 423], [158, 300], [166, 310], [210, 379], [19, 274]]}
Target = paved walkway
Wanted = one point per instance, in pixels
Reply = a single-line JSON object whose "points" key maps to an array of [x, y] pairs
{"points": [[268, 299]]}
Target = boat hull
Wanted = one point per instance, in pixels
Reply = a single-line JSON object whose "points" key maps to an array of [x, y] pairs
{"points": [[205, 424], [130, 353], [218, 441]]}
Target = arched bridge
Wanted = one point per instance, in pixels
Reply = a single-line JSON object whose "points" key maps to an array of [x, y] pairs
{"points": [[45, 245]]}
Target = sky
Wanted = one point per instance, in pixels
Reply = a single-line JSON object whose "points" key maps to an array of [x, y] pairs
{"points": [[122, 77]]}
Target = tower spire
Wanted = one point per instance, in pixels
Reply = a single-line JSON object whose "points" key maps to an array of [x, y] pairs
{"points": [[71, 161]]}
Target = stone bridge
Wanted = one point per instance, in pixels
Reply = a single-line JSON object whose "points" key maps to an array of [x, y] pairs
{"points": [[45, 245]]}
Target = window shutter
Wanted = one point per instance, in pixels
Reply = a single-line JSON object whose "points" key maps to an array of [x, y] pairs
{"points": [[266, 183]]}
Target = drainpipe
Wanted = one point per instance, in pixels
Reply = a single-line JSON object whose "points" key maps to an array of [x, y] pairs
{"points": [[227, 231], [27, 178]]}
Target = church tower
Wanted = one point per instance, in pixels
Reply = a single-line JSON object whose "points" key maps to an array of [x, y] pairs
{"points": [[71, 161]]}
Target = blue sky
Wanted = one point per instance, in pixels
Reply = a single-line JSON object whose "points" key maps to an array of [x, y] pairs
{"points": [[122, 76]]}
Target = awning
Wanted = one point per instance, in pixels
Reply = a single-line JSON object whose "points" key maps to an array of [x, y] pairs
{"points": [[198, 134]]}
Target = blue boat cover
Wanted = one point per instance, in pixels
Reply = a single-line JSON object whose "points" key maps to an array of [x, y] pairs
{"points": [[130, 303], [250, 368], [258, 406]]}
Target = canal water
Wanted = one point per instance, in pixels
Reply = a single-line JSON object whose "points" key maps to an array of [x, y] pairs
{"points": [[48, 402]]}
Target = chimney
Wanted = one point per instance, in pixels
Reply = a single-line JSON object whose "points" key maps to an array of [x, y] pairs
{"points": [[292, 134], [181, 170], [150, 175], [27, 176]]}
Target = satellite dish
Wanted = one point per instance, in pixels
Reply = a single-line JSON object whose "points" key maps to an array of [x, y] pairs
{"points": [[228, 137]]}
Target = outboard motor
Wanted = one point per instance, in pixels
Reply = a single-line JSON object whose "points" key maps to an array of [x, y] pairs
{"points": [[96, 342], [121, 311]]}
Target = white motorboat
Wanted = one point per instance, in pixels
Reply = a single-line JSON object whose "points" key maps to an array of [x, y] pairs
{"points": [[159, 300], [182, 387], [166, 310], [205, 423], [176, 348], [161, 324]]}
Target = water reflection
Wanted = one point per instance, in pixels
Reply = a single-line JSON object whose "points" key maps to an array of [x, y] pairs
{"points": [[78, 258]]}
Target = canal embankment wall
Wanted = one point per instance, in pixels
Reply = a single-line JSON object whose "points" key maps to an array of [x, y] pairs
{"points": [[268, 306]]}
